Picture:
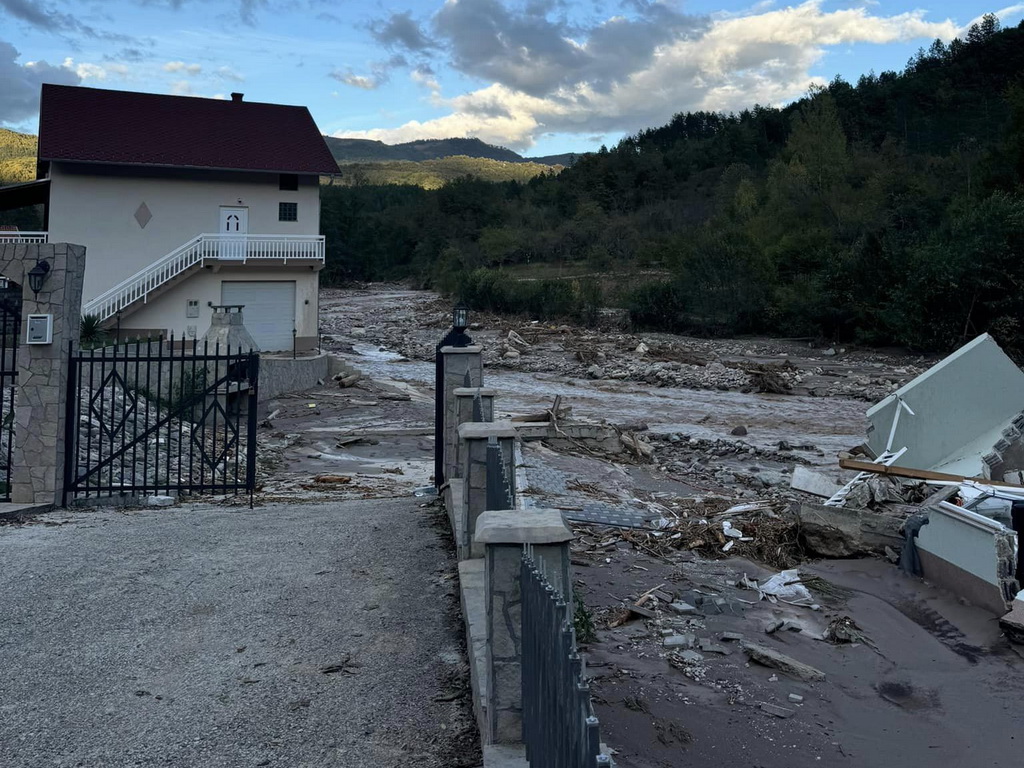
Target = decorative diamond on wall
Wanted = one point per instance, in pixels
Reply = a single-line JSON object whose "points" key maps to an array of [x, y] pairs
{"points": [[142, 215]]}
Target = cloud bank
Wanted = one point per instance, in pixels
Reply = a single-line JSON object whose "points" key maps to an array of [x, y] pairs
{"points": [[633, 69]]}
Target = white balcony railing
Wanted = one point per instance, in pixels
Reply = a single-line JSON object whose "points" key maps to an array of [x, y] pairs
{"points": [[23, 237], [234, 249]]}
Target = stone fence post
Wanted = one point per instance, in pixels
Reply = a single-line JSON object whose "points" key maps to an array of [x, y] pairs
{"points": [[466, 399], [37, 460], [473, 437], [457, 362], [503, 534]]}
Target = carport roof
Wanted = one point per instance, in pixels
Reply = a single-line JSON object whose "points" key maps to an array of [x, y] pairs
{"points": [[24, 194]]}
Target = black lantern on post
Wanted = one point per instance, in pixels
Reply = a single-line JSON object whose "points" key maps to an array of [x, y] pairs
{"points": [[37, 276], [460, 317]]}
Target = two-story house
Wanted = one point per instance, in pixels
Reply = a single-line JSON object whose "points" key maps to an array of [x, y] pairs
{"points": [[183, 203]]}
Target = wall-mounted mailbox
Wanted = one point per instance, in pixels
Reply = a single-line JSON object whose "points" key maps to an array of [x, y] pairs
{"points": [[40, 329]]}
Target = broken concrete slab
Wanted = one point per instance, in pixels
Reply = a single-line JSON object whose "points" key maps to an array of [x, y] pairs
{"points": [[1013, 622], [684, 609], [812, 482], [848, 532], [780, 661], [774, 709], [679, 641]]}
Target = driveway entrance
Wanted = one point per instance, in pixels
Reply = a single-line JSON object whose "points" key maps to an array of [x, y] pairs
{"points": [[290, 635]]}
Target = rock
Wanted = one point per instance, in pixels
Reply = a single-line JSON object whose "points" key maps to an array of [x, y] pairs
{"points": [[642, 349], [684, 609], [796, 698], [511, 354], [830, 352], [358, 330], [773, 709], [595, 372], [160, 501], [691, 657], [773, 626], [780, 661], [740, 431], [731, 636]]}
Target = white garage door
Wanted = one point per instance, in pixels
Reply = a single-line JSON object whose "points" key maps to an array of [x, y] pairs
{"points": [[269, 312]]}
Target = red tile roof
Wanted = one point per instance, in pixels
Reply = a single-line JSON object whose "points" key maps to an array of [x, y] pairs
{"points": [[101, 126]]}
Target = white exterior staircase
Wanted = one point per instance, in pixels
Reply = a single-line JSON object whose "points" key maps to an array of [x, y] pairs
{"points": [[196, 253]]}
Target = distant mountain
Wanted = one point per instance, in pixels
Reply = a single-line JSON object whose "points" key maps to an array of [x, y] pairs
{"points": [[433, 174], [367, 151]]}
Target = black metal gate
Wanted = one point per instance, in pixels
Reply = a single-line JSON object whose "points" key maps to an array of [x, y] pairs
{"points": [[161, 417], [10, 332]]}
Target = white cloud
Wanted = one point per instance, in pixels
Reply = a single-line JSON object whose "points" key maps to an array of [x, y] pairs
{"points": [[182, 88], [182, 67], [88, 71], [765, 57], [227, 73]]}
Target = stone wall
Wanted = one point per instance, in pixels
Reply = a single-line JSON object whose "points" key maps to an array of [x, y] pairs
{"points": [[279, 375]]}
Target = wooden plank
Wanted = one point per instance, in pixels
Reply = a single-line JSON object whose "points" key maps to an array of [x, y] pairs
{"points": [[918, 474]]}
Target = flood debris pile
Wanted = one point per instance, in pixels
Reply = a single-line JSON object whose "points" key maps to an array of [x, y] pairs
{"points": [[938, 484]]}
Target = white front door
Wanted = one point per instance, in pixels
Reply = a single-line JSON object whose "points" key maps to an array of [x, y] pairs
{"points": [[233, 222]]}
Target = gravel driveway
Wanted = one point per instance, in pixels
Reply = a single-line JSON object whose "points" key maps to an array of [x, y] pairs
{"points": [[291, 635]]}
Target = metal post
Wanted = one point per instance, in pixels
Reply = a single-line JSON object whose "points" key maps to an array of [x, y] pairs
{"points": [[295, 335]]}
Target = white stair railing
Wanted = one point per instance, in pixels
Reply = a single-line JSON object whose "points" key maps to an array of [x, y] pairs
{"points": [[233, 249], [7, 236]]}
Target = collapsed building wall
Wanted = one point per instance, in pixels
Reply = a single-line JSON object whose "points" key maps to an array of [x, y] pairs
{"points": [[971, 555]]}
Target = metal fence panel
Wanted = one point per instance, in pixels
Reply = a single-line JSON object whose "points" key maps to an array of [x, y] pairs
{"points": [[559, 726]]}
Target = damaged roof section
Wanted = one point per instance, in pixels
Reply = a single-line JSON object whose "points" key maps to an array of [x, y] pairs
{"points": [[963, 416]]}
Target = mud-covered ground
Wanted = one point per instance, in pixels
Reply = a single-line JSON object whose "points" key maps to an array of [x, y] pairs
{"points": [[932, 683]]}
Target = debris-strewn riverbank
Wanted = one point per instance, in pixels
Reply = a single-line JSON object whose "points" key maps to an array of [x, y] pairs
{"points": [[705, 438]]}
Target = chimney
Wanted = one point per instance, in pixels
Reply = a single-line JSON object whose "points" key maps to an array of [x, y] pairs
{"points": [[237, 96]]}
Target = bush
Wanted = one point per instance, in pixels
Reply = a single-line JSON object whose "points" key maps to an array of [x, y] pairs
{"points": [[492, 290]]}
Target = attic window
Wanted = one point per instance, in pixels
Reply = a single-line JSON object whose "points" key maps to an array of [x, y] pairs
{"points": [[289, 182], [287, 211]]}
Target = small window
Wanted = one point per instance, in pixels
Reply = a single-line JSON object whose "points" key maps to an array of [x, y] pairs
{"points": [[289, 182], [287, 211]]}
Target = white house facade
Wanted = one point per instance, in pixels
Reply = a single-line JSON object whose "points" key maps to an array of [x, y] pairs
{"points": [[186, 203]]}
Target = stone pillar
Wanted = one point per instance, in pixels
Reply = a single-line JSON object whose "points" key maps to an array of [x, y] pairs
{"points": [[473, 437], [457, 361], [504, 533], [37, 475], [465, 398]]}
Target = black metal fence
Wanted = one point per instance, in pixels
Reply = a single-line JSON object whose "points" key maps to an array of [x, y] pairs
{"points": [[10, 337], [560, 729], [161, 417], [500, 494]]}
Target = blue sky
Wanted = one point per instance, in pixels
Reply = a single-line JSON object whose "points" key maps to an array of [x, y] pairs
{"points": [[539, 76]]}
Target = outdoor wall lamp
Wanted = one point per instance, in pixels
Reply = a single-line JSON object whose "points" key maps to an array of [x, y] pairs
{"points": [[37, 276], [460, 317], [4, 283]]}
